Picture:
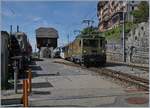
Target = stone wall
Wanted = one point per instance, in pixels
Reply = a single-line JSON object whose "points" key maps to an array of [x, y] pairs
{"points": [[114, 52], [136, 46]]}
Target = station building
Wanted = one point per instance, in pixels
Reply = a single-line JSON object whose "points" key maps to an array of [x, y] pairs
{"points": [[46, 38]]}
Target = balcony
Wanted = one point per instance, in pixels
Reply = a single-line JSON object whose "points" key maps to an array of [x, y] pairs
{"points": [[106, 18], [101, 4], [106, 6], [106, 13], [112, 3]]}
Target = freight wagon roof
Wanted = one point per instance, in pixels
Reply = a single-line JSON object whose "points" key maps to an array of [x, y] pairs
{"points": [[46, 32]]}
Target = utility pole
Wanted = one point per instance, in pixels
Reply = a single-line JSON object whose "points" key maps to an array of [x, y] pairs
{"points": [[62, 41], [10, 29], [123, 37], [68, 38], [35, 48]]}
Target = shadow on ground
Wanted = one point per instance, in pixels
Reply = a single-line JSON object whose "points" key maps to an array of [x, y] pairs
{"points": [[38, 85], [35, 74], [58, 106], [37, 59], [113, 64], [34, 85], [33, 63], [41, 92], [10, 101], [35, 68]]}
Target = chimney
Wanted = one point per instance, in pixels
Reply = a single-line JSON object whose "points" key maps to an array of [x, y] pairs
{"points": [[10, 29], [17, 28]]}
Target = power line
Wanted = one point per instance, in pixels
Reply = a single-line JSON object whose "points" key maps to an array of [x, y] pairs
{"points": [[88, 21]]}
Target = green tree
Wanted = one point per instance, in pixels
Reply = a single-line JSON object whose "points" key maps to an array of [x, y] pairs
{"points": [[142, 13], [90, 31]]}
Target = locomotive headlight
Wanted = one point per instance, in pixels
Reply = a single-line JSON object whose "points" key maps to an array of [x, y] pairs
{"points": [[84, 51], [103, 51]]}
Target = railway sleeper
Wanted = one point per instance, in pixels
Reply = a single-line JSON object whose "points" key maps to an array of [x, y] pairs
{"points": [[128, 76]]}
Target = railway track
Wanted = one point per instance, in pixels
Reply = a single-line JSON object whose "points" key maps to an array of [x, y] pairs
{"points": [[128, 78], [124, 77]]}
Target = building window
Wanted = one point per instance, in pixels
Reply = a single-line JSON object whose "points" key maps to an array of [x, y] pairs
{"points": [[80, 43], [132, 7], [132, 1]]}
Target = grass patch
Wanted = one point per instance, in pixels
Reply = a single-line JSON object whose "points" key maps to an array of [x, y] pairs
{"points": [[115, 33]]}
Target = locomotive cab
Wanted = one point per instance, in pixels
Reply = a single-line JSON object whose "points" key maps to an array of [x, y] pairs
{"points": [[87, 50], [93, 51]]}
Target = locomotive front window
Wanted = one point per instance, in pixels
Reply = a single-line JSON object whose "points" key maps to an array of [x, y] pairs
{"points": [[90, 43], [80, 43], [101, 43]]}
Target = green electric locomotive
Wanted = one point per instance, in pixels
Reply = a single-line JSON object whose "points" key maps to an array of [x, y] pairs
{"points": [[87, 50]]}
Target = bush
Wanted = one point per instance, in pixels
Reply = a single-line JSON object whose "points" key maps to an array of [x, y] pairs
{"points": [[115, 33], [142, 13]]}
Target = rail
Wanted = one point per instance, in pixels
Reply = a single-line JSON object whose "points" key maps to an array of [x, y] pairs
{"points": [[140, 82]]}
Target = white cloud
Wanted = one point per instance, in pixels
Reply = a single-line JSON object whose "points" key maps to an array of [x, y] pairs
{"points": [[32, 19], [45, 23], [37, 18], [42, 23], [8, 13]]}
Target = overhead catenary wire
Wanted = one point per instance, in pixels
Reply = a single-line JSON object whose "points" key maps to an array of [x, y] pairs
{"points": [[86, 16]]}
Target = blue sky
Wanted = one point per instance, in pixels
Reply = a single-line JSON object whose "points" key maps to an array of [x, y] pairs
{"points": [[65, 16]]}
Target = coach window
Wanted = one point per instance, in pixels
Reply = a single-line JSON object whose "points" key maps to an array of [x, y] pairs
{"points": [[80, 43]]}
